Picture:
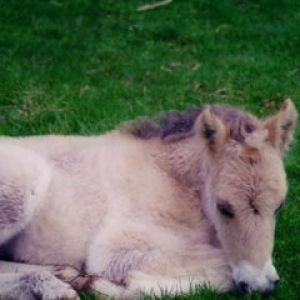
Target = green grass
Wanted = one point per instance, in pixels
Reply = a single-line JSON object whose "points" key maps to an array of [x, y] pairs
{"points": [[82, 67]]}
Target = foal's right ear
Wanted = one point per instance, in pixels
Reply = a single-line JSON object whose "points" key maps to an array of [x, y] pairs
{"points": [[212, 129]]}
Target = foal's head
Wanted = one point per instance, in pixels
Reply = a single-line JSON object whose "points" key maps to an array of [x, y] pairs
{"points": [[245, 188]]}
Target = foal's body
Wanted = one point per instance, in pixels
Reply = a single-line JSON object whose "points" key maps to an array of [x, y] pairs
{"points": [[102, 187], [111, 206]]}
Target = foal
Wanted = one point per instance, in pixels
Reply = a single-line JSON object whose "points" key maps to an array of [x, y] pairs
{"points": [[148, 208]]}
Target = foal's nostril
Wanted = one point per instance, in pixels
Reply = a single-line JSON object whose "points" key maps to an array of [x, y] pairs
{"points": [[243, 287], [275, 282]]}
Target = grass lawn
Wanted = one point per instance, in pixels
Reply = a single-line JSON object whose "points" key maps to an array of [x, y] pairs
{"points": [[82, 67]]}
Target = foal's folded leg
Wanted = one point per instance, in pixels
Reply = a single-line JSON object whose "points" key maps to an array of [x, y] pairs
{"points": [[179, 272], [138, 283], [172, 273], [70, 277], [34, 285]]}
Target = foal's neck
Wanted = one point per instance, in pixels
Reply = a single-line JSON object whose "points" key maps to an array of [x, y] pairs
{"points": [[186, 161]]}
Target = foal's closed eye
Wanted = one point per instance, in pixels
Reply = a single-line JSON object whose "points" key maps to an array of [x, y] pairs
{"points": [[226, 210]]}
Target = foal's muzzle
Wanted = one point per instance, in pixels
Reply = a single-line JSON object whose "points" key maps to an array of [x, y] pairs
{"points": [[244, 288], [247, 278]]}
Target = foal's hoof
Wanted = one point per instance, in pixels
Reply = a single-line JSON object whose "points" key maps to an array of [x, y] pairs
{"points": [[65, 273], [78, 281], [83, 282]]}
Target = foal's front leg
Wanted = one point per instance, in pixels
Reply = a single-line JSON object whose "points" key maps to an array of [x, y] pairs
{"points": [[138, 283], [182, 272], [156, 270]]}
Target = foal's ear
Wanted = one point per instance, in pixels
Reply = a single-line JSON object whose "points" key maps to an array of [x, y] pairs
{"points": [[281, 126], [212, 129]]}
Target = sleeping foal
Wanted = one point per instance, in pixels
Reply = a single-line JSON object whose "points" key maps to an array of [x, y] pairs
{"points": [[148, 208]]}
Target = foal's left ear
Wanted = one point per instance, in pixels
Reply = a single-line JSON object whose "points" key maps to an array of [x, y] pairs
{"points": [[212, 129], [281, 126]]}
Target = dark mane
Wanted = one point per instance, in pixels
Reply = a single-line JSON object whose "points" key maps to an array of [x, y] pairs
{"points": [[178, 125]]}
